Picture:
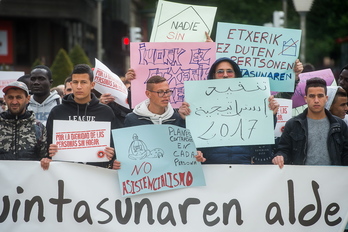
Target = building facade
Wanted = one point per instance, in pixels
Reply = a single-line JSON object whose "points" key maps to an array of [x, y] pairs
{"points": [[37, 29]]}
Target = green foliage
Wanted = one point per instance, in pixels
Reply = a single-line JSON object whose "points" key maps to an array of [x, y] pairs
{"points": [[78, 56], [61, 67], [36, 63], [326, 22]]}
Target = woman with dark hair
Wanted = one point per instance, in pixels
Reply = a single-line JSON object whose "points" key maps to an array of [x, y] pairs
{"points": [[226, 68]]}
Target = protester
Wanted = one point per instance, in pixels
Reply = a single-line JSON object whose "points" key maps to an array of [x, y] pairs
{"points": [[26, 80], [314, 137], [43, 100], [337, 102], [67, 86], [21, 135], [3, 106], [227, 68], [81, 105], [156, 109], [59, 89], [343, 78]]}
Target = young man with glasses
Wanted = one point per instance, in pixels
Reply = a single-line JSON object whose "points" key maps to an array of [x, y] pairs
{"points": [[156, 109]]}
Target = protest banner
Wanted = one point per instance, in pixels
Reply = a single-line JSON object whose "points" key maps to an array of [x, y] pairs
{"points": [[244, 198], [156, 158], [298, 97], [81, 141], [108, 82], [261, 52], [229, 112], [283, 115], [177, 62], [6, 77], [175, 22]]}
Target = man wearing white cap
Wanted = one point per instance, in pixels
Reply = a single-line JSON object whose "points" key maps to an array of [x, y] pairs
{"points": [[22, 137]]}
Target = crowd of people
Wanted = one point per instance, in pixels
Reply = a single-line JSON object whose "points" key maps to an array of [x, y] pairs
{"points": [[317, 136]]}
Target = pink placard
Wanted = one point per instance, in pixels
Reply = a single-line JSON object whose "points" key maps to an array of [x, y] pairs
{"points": [[298, 97], [177, 62]]}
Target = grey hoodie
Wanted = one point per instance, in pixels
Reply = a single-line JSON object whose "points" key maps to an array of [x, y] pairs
{"points": [[43, 110]]}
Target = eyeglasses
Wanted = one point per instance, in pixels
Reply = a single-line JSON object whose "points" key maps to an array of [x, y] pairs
{"points": [[162, 93], [221, 72]]}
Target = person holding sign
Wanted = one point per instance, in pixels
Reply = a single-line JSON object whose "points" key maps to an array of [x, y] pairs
{"points": [[108, 99], [156, 109], [21, 135], [227, 68], [314, 137], [82, 105]]}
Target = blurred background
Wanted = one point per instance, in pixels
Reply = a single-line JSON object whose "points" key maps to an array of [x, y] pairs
{"points": [[43, 31]]}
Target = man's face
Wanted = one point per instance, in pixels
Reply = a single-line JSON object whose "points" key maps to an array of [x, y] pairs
{"points": [[16, 101], [316, 99], [343, 79], [224, 70], [40, 84], [339, 107], [82, 87], [155, 100], [68, 88]]}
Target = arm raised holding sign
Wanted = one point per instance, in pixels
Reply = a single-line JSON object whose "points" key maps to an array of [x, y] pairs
{"points": [[298, 69], [110, 100], [156, 109], [225, 68]]}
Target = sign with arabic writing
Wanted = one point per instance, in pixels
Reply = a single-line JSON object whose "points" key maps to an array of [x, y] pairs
{"points": [[229, 112]]}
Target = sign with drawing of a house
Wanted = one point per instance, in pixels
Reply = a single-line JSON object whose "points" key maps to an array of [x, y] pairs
{"points": [[261, 52], [176, 22]]}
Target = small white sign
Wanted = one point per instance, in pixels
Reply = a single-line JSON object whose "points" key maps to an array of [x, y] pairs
{"points": [[108, 82], [78, 144]]}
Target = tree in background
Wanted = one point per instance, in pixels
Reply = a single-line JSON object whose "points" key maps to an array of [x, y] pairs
{"points": [[36, 63], [78, 56], [61, 67]]}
